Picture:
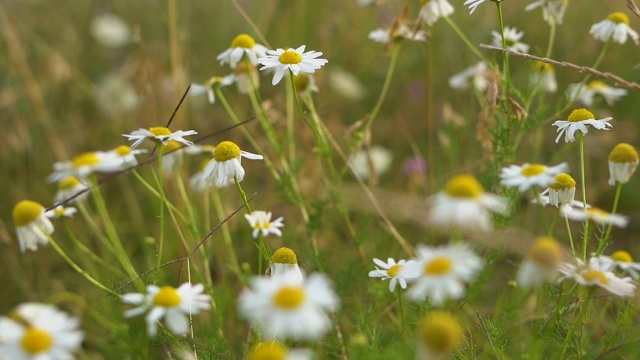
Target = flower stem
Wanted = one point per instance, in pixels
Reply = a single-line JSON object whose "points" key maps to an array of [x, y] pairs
{"points": [[585, 234], [400, 310], [604, 240], [385, 88], [464, 38], [505, 55], [160, 179]]}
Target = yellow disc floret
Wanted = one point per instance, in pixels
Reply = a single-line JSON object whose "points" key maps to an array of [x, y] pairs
{"points": [[440, 332], [171, 146], [167, 297], [226, 151], [284, 255], [595, 277], [160, 131], [618, 18], [533, 170], [622, 256], [35, 341], [438, 266], [596, 84], [269, 350], [581, 114], [289, 297], [243, 41], [26, 212], [546, 252], [122, 150], [464, 186], [85, 159], [290, 57], [68, 183], [562, 182], [623, 153], [395, 270]]}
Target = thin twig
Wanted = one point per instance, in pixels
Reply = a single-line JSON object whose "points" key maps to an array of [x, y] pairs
{"points": [[632, 6]]}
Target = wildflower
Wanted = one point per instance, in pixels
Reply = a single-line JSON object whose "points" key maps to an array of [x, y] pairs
{"points": [[439, 335], [475, 76], [199, 181], [225, 164], [61, 211], [392, 270], [306, 83], [552, 10], [587, 94], [32, 225], [283, 308], [597, 272], [374, 159], [242, 45], [512, 38], [39, 331], [541, 263], [294, 60], [543, 74], [110, 31], [247, 78], [159, 134], [442, 272], [210, 85], [398, 32], [69, 187], [623, 161], [464, 204], [85, 164], [615, 26], [473, 4], [562, 191], [172, 155], [432, 10], [529, 175], [285, 261], [275, 350], [594, 214], [578, 120], [623, 260], [261, 222], [174, 304]]}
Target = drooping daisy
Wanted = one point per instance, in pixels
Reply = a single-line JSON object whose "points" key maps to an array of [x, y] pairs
{"points": [[60, 212], [562, 191], [615, 26], [623, 161], [396, 33], [209, 86], [159, 134], [464, 205], [39, 332], [441, 273], [439, 335], [275, 350], [242, 45], [225, 164], [261, 222], [473, 4], [392, 270], [69, 187], [32, 225], [543, 74], [529, 175], [512, 38], [283, 308], [586, 94], [432, 10], [294, 60], [474, 76], [174, 304], [578, 120], [283, 262], [552, 10], [594, 214], [622, 259], [541, 263], [598, 273], [376, 159]]}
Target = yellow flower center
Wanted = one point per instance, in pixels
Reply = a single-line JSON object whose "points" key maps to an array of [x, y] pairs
{"points": [[289, 297], [85, 159], [546, 252], [290, 57], [622, 256], [596, 84], [271, 350], [623, 153], [438, 266], [167, 297], [562, 182], [595, 277], [597, 213], [226, 151], [36, 341], [618, 18], [284, 255], [26, 211], [533, 170], [68, 183], [243, 41], [580, 115], [122, 150], [171, 145], [160, 131], [542, 66], [59, 211], [395, 270], [440, 332], [302, 81], [464, 186]]}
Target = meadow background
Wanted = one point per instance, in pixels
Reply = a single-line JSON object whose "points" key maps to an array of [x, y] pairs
{"points": [[62, 93]]}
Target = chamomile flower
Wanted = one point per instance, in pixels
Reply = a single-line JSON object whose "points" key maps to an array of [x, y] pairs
{"points": [[474, 76], [439, 335], [173, 304], [622, 260], [615, 26], [529, 175], [552, 10], [110, 31], [473, 4], [586, 94], [85, 164], [463, 204], [594, 214], [544, 75], [242, 45], [284, 261], [305, 83], [225, 164], [442, 272], [172, 156], [578, 120], [623, 161], [391, 270], [374, 159], [283, 308], [512, 38], [396, 33], [261, 222], [294, 60], [597, 272], [562, 190], [69, 187], [432, 10], [60, 212], [39, 332], [247, 77], [209, 86], [32, 225], [541, 263], [160, 135], [275, 350]]}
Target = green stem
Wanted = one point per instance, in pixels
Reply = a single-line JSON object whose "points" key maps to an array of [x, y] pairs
{"points": [[385, 88], [604, 240], [585, 234], [573, 249], [552, 38], [505, 55], [464, 38], [400, 309], [160, 180]]}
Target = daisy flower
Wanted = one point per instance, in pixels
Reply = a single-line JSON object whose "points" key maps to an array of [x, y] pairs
{"points": [[159, 134], [247, 77], [541, 263], [210, 85], [473, 4], [594, 214], [463, 204], [562, 191], [398, 32], [61, 211], [598, 273], [543, 74], [87, 163], [552, 10], [39, 332], [283, 308], [261, 222], [305, 83], [294, 60], [512, 38], [285, 261], [199, 181], [442, 272], [225, 164], [615, 26], [172, 155], [174, 304], [69, 187], [529, 175], [439, 335], [623, 161], [432, 10], [392, 270], [242, 45], [578, 120], [32, 225], [586, 94], [623, 260], [275, 350], [474, 76], [374, 159]]}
